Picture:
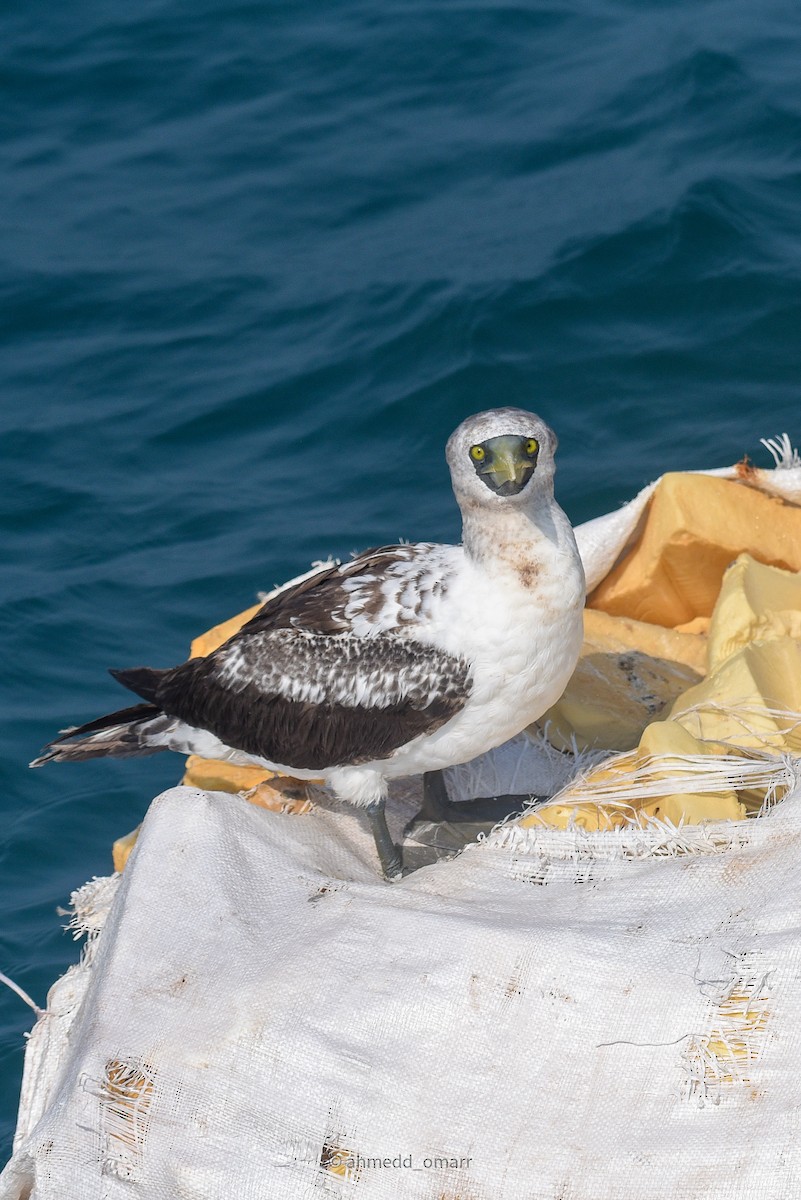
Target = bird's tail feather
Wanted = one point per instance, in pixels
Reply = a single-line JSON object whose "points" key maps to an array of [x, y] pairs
{"points": [[144, 681], [119, 734]]}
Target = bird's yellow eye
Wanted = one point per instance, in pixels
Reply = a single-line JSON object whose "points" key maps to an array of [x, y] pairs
{"points": [[532, 446], [477, 453]]}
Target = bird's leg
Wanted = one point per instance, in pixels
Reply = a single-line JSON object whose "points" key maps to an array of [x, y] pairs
{"points": [[388, 852], [282, 794], [436, 802]]}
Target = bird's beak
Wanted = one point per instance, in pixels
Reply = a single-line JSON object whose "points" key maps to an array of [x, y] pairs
{"points": [[507, 468]]}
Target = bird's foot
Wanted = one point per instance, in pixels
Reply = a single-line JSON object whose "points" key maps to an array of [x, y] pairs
{"points": [[282, 794], [393, 869]]}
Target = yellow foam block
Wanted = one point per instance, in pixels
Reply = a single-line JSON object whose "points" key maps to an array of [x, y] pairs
{"points": [[283, 793], [665, 739], [740, 703], [688, 809], [594, 818], [121, 849], [697, 625], [695, 526], [756, 603], [214, 776], [660, 739], [628, 673], [654, 640], [747, 703]]}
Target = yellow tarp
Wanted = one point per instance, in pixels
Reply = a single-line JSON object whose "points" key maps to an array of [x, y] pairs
{"points": [[695, 526], [744, 706], [628, 673]]}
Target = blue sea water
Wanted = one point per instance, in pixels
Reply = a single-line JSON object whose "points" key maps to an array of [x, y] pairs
{"points": [[258, 260]]}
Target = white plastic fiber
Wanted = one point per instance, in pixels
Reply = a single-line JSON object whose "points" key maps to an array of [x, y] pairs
{"points": [[526, 765]]}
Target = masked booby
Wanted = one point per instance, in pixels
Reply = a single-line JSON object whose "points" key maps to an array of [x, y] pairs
{"points": [[406, 660]]}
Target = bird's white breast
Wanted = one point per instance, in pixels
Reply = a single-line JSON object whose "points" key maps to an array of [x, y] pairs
{"points": [[520, 629]]}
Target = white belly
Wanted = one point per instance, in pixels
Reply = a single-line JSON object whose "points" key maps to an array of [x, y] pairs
{"points": [[523, 645], [507, 696]]}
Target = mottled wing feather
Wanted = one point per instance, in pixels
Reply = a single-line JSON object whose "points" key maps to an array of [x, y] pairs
{"points": [[380, 589], [314, 600], [328, 672]]}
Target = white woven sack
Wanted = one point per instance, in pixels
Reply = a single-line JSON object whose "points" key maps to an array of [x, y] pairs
{"points": [[551, 1016], [549, 1020]]}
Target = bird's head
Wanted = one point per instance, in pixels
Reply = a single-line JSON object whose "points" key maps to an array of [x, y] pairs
{"points": [[505, 455]]}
